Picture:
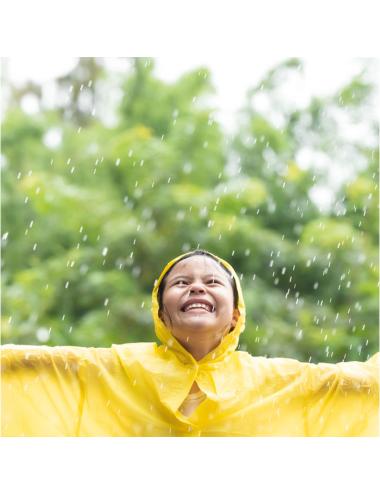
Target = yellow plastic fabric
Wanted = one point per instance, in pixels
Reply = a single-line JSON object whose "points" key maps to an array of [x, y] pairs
{"points": [[137, 390]]}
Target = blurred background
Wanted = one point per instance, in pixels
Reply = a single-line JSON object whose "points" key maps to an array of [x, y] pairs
{"points": [[111, 167]]}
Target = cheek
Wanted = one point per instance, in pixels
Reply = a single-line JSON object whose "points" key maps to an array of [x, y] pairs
{"points": [[226, 306], [169, 300]]}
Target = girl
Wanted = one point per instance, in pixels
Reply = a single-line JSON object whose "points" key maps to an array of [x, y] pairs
{"points": [[194, 384]]}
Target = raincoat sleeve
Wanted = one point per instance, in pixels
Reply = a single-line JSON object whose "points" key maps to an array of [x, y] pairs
{"points": [[40, 390], [343, 399]]}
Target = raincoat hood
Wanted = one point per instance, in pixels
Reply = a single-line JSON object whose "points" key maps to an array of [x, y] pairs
{"points": [[230, 341]]}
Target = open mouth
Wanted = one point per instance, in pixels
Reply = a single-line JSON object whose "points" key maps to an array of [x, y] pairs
{"points": [[197, 306]]}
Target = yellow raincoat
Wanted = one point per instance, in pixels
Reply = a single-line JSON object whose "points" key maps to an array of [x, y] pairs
{"points": [[137, 390]]}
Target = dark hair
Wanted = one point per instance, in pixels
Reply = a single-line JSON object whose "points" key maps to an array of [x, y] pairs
{"points": [[198, 253]]}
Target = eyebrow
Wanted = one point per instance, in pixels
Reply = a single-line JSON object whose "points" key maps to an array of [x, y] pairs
{"points": [[205, 276]]}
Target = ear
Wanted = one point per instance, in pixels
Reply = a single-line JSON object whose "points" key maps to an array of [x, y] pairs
{"points": [[235, 317], [160, 315]]}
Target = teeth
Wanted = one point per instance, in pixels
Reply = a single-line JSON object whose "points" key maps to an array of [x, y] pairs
{"points": [[199, 306]]}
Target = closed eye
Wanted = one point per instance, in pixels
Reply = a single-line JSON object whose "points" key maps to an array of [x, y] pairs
{"points": [[180, 282], [213, 281]]}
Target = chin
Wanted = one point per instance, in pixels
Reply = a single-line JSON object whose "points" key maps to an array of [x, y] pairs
{"points": [[198, 325]]}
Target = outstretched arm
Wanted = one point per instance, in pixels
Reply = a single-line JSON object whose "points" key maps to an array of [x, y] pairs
{"points": [[343, 399], [41, 391]]}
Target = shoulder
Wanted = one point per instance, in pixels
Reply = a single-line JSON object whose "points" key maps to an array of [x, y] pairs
{"points": [[134, 351], [270, 371], [272, 366], [359, 375]]}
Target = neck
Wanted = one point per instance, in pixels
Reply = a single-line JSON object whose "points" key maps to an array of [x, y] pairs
{"points": [[199, 346]]}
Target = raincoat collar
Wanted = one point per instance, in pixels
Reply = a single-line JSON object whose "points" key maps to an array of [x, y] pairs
{"points": [[228, 344]]}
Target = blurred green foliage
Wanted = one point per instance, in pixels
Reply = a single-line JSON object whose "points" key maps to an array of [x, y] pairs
{"points": [[88, 223]]}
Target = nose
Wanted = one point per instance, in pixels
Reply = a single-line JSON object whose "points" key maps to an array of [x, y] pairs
{"points": [[197, 288]]}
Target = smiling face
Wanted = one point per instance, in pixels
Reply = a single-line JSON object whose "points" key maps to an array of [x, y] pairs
{"points": [[198, 300]]}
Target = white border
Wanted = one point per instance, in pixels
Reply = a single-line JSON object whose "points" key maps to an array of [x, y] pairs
{"points": [[149, 28], [186, 465]]}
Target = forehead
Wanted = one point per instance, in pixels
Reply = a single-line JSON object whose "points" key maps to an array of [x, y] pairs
{"points": [[197, 264]]}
